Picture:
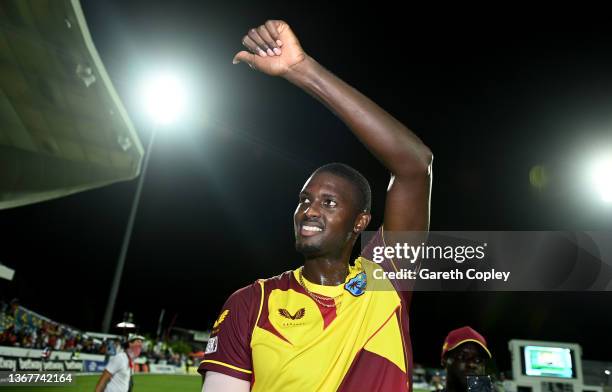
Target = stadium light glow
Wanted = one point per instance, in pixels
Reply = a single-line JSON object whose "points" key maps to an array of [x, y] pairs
{"points": [[164, 99], [601, 176], [164, 96], [607, 372]]}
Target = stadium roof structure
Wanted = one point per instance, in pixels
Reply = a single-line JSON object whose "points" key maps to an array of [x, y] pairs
{"points": [[63, 128]]}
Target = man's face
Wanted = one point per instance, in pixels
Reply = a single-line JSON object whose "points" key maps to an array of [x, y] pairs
{"points": [[469, 359], [325, 216], [136, 347]]}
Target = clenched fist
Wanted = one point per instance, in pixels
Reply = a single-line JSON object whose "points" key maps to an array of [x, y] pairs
{"points": [[273, 48]]}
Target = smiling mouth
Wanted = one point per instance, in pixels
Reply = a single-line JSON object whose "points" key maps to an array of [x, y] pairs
{"points": [[307, 230]]}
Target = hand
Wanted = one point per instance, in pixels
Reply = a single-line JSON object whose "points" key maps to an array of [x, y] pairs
{"points": [[273, 47]]}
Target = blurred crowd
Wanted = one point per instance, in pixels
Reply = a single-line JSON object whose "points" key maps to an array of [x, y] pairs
{"points": [[20, 327]]}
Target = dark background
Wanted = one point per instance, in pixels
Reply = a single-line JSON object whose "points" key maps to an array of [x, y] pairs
{"points": [[492, 99]]}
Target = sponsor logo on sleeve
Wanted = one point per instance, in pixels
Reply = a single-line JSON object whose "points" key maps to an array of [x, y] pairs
{"points": [[221, 318]]}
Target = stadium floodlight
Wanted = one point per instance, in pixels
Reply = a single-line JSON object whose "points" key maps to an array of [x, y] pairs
{"points": [[125, 325], [607, 372], [164, 97], [601, 176]]}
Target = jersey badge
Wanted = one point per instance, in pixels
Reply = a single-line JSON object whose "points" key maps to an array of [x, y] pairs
{"points": [[211, 346], [357, 285]]}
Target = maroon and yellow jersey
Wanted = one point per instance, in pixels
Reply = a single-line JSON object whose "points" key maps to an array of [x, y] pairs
{"points": [[350, 337]]}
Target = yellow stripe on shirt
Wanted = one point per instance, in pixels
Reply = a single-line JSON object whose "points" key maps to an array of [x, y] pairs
{"points": [[227, 365]]}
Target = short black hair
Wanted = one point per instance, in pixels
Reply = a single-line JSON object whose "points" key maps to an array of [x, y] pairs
{"points": [[364, 194]]}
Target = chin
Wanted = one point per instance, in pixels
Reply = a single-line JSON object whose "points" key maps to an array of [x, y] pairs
{"points": [[307, 249]]}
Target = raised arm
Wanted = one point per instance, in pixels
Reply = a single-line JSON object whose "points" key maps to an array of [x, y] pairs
{"points": [[276, 51]]}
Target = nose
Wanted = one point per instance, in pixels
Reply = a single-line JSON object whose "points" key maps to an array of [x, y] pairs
{"points": [[312, 211], [473, 364]]}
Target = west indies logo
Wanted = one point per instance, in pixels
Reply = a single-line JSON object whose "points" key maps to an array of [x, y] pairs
{"points": [[356, 286]]}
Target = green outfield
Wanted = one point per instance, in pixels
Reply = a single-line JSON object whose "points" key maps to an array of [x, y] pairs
{"points": [[142, 383]]}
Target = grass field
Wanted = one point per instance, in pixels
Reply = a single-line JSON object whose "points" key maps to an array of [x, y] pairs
{"points": [[142, 383]]}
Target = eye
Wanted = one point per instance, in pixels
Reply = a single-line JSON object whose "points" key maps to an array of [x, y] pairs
{"points": [[330, 203], [304, 199]]}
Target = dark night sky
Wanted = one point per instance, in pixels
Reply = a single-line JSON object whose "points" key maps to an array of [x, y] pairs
{"points": [[491, 99]]}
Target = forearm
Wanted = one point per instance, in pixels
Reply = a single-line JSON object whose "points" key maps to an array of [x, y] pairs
{"points": [[102, 381], [398, 148], [101, 385]]}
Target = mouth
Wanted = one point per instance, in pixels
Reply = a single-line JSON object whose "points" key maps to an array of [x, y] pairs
{"points": [[309, 229]]}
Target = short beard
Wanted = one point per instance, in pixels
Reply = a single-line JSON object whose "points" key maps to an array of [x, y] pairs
{"points": [[307, 250]]}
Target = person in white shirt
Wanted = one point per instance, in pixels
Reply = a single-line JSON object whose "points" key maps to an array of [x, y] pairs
{"points": [[117, 376]]}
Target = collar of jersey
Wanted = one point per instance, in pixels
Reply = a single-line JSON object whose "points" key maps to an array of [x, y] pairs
{"points": [[329, 291]]}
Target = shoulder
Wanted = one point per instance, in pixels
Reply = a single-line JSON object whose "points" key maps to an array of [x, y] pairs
{"points": [[242, 300], [245, 293], [249, 296], [118, 358], [279, 281], [116, 363]]}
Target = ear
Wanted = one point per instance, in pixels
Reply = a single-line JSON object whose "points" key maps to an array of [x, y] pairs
{"points": [[361, 222]]}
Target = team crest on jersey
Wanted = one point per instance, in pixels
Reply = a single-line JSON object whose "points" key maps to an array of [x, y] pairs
{"points": [[298, 315], [211, 346], [357, 285]]}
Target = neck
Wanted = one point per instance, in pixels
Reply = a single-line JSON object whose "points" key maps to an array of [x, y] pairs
{"points": [[327, 270], [454, 385]]}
